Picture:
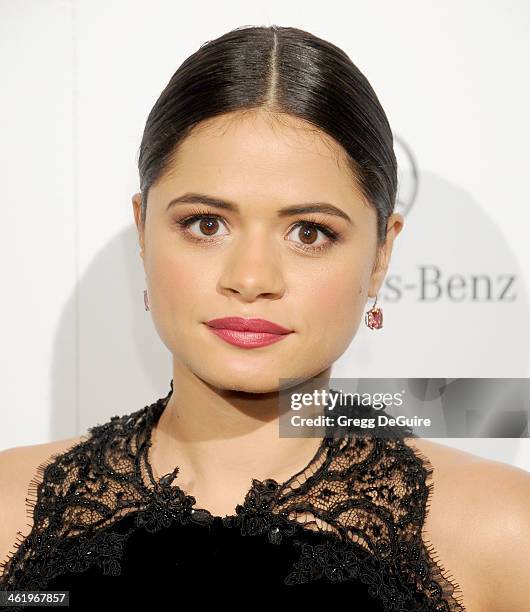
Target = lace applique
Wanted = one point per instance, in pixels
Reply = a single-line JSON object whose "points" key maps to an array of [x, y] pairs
{"points": [[369, 496]]}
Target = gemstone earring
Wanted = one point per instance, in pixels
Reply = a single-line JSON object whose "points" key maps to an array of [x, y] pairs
{"points": [[146, 300], [374, 317]]}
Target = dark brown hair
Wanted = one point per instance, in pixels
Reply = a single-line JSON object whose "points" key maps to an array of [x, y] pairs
{"points": [[287, 71]]}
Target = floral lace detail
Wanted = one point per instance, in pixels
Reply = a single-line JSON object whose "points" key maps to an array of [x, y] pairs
{"points": [[368, 497]]}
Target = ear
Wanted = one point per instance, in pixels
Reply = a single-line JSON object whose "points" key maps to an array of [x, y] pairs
{"points": [[394, 226], [137, 210]]}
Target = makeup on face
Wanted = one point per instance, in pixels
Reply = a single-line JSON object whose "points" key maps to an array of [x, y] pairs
{"points": [[247, 333]]}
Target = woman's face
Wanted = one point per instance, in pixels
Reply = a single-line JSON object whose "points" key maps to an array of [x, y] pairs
{"points": [[255, 260]]}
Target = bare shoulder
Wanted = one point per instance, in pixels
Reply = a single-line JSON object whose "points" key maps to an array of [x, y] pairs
{"points": [[18, 470], [478, 523]]}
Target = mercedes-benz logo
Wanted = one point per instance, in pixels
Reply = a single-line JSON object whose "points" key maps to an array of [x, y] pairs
{"points": [[408, 177]]}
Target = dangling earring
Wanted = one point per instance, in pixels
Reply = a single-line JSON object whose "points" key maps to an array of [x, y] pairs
{"points": [[146, 300], [374, 317]]}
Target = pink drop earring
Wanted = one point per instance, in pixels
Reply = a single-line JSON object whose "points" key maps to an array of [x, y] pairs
{"points": [[374, 317], [146, 300]]}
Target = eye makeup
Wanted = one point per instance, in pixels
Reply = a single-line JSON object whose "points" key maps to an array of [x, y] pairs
{"points": [[312, 223]]}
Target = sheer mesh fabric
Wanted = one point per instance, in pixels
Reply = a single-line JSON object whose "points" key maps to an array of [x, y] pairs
{"points": [[368, 496]]}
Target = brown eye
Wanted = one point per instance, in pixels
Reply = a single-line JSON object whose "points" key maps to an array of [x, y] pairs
{"points": [[308, 231], [308, 234], [208, 226]]}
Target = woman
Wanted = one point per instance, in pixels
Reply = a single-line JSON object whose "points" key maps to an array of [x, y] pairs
{"points": [[267, 189]]}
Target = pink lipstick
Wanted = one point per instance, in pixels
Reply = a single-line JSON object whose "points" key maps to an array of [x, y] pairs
{"points": [[247, 333]]}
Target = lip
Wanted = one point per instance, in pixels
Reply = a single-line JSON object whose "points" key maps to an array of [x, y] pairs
{"points": [[247, 333], [248, 325]]}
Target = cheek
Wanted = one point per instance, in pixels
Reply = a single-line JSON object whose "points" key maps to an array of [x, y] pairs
{"points": [[176, 288], [333, 308], [337, 299]]}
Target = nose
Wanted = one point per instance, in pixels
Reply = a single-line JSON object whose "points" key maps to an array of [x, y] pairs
{"points": [[252, 269]]}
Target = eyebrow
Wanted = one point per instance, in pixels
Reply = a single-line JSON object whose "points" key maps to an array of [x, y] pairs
{"points": [[288, 211]]}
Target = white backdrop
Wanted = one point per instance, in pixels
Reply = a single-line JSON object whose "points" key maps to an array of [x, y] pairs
{"points": [[78, 81]]}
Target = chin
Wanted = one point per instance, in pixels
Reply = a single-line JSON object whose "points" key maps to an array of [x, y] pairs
{"points": [[247, 381]]}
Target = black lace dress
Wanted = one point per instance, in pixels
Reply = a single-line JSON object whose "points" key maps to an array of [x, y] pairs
{"points": [[349, 525]]}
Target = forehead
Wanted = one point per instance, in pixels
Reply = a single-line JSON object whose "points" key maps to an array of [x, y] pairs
{"points": [[243, 154]]}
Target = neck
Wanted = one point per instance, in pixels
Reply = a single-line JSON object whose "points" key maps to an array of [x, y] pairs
{"points": [[227, 437]]}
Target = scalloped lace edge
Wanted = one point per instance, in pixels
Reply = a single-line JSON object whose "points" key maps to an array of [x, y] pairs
{"points": [[429, 546], [32, 497]]}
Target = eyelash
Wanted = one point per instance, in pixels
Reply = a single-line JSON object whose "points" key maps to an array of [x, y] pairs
{"points": [[199, 214]]}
